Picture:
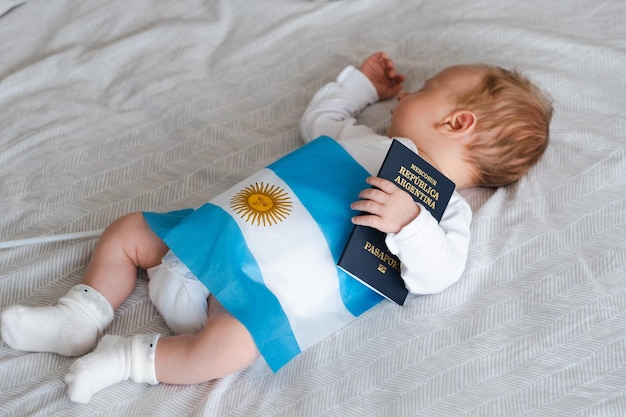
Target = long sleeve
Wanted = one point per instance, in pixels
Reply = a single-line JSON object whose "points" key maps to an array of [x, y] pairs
{"points": [[333, 111], [433, 255], [334, 108]]}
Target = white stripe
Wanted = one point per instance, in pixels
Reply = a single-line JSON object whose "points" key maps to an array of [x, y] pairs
{"points": [[296, 264]]}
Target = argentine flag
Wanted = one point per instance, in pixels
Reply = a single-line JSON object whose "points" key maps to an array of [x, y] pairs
{"points": [[267, 248]]}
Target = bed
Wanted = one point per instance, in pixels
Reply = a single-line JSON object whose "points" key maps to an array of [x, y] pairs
{"points": [[112, 107]]}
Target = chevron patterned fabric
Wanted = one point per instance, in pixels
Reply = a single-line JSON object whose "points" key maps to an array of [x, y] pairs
{"points": [[112, 107]]}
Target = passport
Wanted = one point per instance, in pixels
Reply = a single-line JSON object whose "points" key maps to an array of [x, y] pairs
{"points": [[366, 256]]}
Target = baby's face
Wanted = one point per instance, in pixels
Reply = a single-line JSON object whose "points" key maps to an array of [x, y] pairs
{"points": [[417, 114]]}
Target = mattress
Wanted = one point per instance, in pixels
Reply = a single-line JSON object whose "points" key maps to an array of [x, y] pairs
{"points": [[112, 107]]}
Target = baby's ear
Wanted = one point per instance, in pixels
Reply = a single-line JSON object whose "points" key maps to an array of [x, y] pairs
{"points": [[460, 121]]}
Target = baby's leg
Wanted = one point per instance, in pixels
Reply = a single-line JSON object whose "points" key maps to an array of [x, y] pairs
{"points": [[72, 326], [127, 244], [224, 346]]}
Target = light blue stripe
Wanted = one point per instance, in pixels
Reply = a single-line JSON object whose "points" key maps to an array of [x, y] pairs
{"points": [[326, 180], [210, 244]]}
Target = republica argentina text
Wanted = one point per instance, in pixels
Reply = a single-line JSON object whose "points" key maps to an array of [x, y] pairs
{"points": [[415, 185]]}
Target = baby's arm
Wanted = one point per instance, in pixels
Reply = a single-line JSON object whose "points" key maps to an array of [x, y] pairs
{"points": [[433, 255], [333, 109]]}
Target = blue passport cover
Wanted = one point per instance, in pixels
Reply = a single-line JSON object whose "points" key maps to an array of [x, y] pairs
{"points": [[366, 256]]}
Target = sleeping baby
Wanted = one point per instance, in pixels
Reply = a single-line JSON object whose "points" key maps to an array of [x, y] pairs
{"points": [[253, 271]]}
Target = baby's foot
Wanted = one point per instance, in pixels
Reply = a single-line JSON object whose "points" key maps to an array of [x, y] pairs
{"points": [[69, 328], [115, 359]]}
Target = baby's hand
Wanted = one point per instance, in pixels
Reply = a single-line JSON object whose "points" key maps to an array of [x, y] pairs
{"points": [[388, 207], [381, 71]]}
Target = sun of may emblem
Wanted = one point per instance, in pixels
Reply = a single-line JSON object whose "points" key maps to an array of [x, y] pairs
{"points": [[262, 204]]}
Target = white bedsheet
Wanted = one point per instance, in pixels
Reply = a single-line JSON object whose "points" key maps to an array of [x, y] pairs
{"points": [[117, 106]]}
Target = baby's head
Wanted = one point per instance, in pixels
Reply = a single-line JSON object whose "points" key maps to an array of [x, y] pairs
{"points": [[512, 126], [481, 125]]}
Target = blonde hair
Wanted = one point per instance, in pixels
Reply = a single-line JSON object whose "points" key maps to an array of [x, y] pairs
{"points": [[512, 122]]}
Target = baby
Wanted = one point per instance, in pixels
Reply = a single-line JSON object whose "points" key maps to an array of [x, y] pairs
{"points": [[230, 295]]}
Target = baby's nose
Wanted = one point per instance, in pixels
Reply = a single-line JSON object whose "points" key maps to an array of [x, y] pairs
{"points": [[402, 95]]}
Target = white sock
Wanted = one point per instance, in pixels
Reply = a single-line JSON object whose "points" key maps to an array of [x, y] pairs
{"points": [[69, 328], [115, 359]]}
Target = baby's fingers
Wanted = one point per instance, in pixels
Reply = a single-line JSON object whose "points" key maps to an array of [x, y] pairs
{"points": [[382, 184]]}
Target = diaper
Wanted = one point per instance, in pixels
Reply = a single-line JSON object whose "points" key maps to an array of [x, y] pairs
{"points": [[178, 295]]}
